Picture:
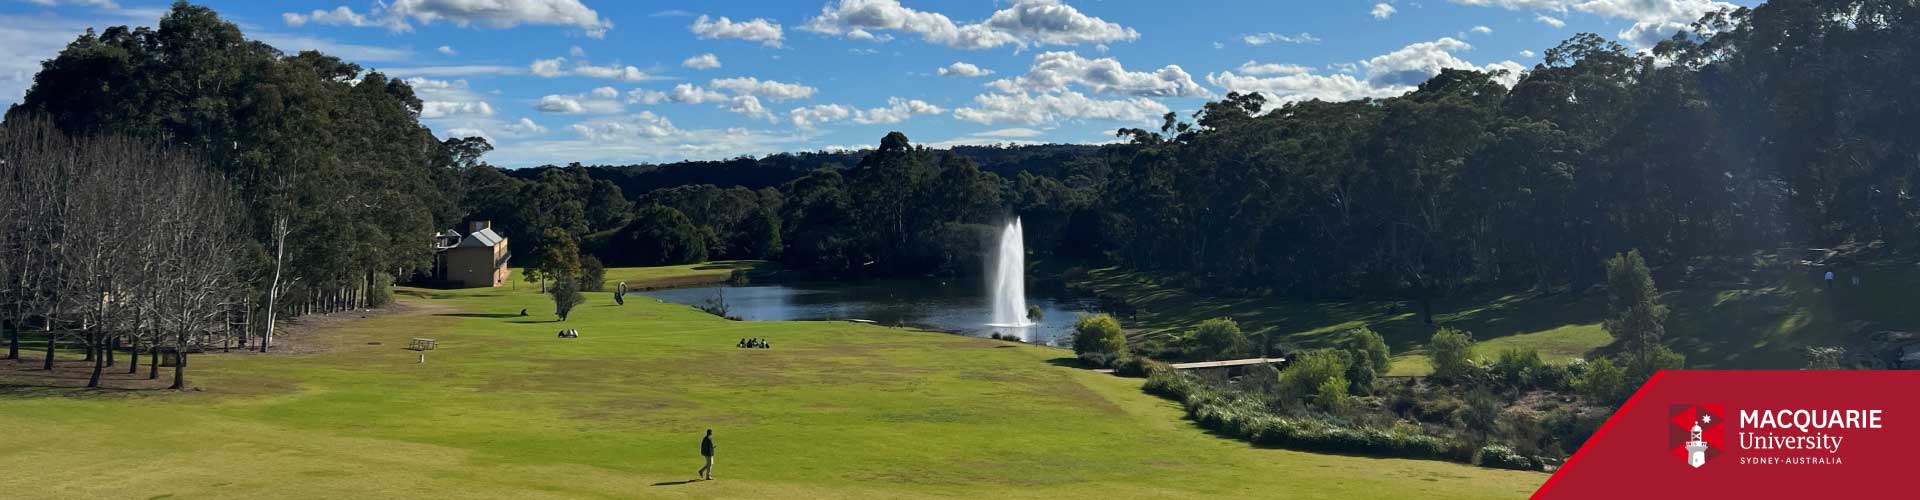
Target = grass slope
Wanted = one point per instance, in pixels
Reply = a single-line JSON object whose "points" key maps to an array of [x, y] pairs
{"points": [[505, 410], [1762, 317]]}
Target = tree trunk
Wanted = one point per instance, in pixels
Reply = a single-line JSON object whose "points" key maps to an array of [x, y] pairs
{"points": [[133, 355], [179, 368], [113, 343], [13, 341], [48, 365], [99, 362], [273, 294], [153, 360]]}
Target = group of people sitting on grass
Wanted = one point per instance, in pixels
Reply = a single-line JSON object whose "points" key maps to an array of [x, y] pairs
{"points": [[569, 334], [754, 343]]}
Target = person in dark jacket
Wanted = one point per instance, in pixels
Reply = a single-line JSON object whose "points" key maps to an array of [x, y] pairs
{"points": [[706, 450]]}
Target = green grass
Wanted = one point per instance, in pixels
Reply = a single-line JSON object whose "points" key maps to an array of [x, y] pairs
{"points": [[1763, 319], [505, 410]]}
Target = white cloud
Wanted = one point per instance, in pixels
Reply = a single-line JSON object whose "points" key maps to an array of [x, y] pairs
{"points": [[1024, 23], [1031, 109], [964, 70], [604, 92], [810, 116], [1254, 68], [766, 32], [555, 67], [100, 4], [1382, 11], [645, 96], [897, 110], [457, 70], [447, 98], [702, 61], [1385, 75], [687, 93], [525, 126], [351, 52], [750, 106], [1653, 20], [448, 50], [1267, 38], [553, 103], [501, 14], [1526, 53], [576, 52], [1055, 71], [772, 90], [1481, 30], [547, 68], [644, 125], [1550, 20]]}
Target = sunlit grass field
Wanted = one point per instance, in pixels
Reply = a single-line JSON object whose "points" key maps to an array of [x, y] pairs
{"points": [[503, 409]]}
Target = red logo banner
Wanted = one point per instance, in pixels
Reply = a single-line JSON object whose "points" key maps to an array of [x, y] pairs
{"points": [[1752, 434]]}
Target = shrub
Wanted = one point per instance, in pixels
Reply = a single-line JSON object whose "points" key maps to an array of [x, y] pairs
{"points": [[1502, 457], [1310, 373], [1332, 394], [1551, 377], [1139, 366], [1452, 354], [566, 294], [1635, 316], [1641, 364], [1603, 383], [1570, 428], [1170, 384], [1825, 358], [1369, 348], [593, 274], [1218, 338], [1481, 412], [1099, 333], [1097, 359], [1515, 367]]}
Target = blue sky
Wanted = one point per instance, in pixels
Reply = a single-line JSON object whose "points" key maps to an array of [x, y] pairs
{"points": [[613, 82]]}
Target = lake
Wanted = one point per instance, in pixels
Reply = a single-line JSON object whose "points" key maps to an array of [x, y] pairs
{"points": [[957, 306]]}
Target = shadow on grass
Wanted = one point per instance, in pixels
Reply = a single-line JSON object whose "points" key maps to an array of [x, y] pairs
{"points": [[1066, 362], [676, 483], [480, 315], [533, 321]]}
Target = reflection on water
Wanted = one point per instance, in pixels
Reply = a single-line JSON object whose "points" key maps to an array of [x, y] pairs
{"points": [[954, 306]]}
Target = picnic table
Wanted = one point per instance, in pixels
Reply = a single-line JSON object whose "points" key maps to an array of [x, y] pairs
{"points": [[423, 344]]}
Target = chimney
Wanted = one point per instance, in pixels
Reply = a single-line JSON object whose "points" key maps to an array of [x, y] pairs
{"points": [[476, 226]]}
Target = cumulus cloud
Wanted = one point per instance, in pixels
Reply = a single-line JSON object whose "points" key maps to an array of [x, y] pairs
{"points": [[400, 14], [644, 125], [525, 127], [1382, 11], [1481, 30], [1037, 109], [811, 116], [447, 98], [897, 110], [766, 32], [1385, 75], [702, 61], [1267, 38], [962, 69], [556, 67], [1024, 23], [1549, 20], [687, 93], [448, 50], [750, 106], [1653, 20], [645, 96], [602, 100], [772, 90], [1055, 71], [553, 103]]}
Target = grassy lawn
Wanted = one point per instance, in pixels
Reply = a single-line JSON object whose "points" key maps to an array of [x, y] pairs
{"points": [[505, 410], [1762, 320]]}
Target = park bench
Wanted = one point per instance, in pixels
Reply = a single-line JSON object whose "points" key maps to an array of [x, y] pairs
{"points": [[422, 344]]}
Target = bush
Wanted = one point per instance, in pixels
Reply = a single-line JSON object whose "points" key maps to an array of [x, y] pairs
{"points": [[1369, 348], [1099, 333], [1139, 366], [1097, 359], [1603, 383], [1481, 412], [593, 274], [1310, 373], [1452, 354], [1515, 367], [1332, 394], [1170, 384], [1502, 457], [1643, 363], [566, 294], [1551, 377], [1218, 338], [1570, 428]]}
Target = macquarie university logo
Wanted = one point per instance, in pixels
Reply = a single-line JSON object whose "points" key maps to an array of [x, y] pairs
{"points": [[1693, 432]]}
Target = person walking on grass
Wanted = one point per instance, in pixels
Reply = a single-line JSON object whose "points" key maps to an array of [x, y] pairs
{"points": [[1829, 280], [706, 450]]}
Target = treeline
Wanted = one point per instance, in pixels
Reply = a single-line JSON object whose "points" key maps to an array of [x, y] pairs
{"points": [[119, 243], [328, 182]]}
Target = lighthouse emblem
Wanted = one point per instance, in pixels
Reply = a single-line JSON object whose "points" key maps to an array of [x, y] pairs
{"points": [[1693, 433], [1696, 448]]}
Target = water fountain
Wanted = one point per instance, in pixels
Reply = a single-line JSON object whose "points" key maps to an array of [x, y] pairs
{"points": [[1009, 281]]}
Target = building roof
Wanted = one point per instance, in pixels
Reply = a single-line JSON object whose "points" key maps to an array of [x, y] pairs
{"points": [[484, 238], [450, 234]]}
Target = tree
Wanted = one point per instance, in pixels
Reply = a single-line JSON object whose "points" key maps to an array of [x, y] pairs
{"points": [[566, 294], [658, 236], [1452, 354], [1370, 356], [1100, 334], [1603, 382], [1634, 313], [1218, 338], [559, 256], [593, 274]]}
